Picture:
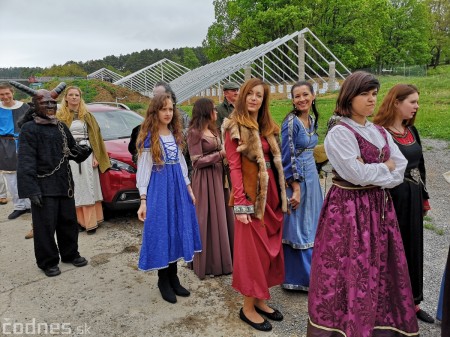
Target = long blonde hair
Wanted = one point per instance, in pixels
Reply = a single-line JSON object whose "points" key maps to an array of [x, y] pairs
{"points": [[151, 124], [63, 113]]}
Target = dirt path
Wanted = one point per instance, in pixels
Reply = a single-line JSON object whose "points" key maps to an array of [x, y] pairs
{"points": [[110, 297]]}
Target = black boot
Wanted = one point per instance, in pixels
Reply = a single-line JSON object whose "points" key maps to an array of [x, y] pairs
{"points": [[166, 290], [175, 281]]}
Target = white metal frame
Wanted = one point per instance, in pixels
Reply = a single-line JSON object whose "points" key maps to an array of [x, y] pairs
{"points": [[278, 62], [105, 74], [144, 80]]}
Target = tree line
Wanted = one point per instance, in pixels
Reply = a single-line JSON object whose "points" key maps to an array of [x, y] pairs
{"points": [[122, 64], [361, 33]]}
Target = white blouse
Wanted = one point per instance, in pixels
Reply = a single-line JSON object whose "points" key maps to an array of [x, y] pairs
{"points": [[342, 150], [145, 164]]}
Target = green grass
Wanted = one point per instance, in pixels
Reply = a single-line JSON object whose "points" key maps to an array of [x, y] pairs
{"points": [[325, 105], [433, 118], [428, 224], [432, 227]]}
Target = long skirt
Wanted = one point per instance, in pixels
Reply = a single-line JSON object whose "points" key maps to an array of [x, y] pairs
{"points": [[299, 231], [359, 285], [408, 203], [88, 193], [258, 262], [297, 265], [171, 229], [216, 220]]}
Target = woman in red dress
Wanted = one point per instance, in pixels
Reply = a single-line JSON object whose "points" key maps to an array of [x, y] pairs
{"points": [[259, 200]]}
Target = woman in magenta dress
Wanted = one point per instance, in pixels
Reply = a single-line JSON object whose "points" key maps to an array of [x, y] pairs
{"points": [[259, 200], [359, 283], [215, 218]]}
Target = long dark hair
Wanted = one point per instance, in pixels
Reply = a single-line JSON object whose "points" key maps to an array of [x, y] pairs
{"points": [[313, 105], [201, 116]]}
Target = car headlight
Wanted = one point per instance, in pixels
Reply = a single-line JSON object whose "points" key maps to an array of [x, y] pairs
{"points": [[118, 165]]}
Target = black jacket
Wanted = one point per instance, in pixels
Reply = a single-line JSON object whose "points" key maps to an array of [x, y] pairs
{"points": [[40, 152]]}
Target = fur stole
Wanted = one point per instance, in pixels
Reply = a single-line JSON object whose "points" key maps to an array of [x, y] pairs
{"points": [[249, 145]]}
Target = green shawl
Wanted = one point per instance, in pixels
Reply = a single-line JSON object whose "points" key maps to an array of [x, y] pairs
{"points": [[95, 138]]}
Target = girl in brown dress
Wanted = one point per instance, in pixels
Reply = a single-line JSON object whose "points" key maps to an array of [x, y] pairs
{"points": [[215, 218]]}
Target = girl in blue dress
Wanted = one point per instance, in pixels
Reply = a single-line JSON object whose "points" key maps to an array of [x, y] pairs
{"points": [[299, 137], [171, 230]]}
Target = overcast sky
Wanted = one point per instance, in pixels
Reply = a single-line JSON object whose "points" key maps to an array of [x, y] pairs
{"points": [[42, 33]]}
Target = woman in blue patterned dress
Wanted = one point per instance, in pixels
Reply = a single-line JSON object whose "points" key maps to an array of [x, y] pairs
{"points": [[171, 229], [299, 137]]}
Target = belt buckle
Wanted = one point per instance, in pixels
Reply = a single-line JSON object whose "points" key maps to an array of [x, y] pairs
{"points": [[415, 175]]}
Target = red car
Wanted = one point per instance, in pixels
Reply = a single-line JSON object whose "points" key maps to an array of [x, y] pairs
{"points": [[118, 184]]}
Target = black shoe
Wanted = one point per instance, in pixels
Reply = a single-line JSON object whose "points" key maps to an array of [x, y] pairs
{"points": [[91, 231], [175, 281], [52, 271], [164, 286], [276, 315], [81, 228], [78, 261], [424, 316], [18, 212], [178, 288], [264, 326], [166, 291]]}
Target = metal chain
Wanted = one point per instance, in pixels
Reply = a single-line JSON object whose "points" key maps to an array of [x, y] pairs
{"points": [[66, 152]]}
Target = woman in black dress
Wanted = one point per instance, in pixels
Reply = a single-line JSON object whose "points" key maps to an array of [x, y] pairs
{"points": [[397, 114]]}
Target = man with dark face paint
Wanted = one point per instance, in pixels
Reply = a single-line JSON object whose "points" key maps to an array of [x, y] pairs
{"points": [[45, 148], [45, 105]]}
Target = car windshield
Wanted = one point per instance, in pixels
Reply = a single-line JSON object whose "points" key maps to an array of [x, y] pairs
{"points": [[117, 124]]}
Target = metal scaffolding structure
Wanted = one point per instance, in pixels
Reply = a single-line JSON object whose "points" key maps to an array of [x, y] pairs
{"points": [[280, 63], [144, 80], [105, 75], [298, 56]]}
